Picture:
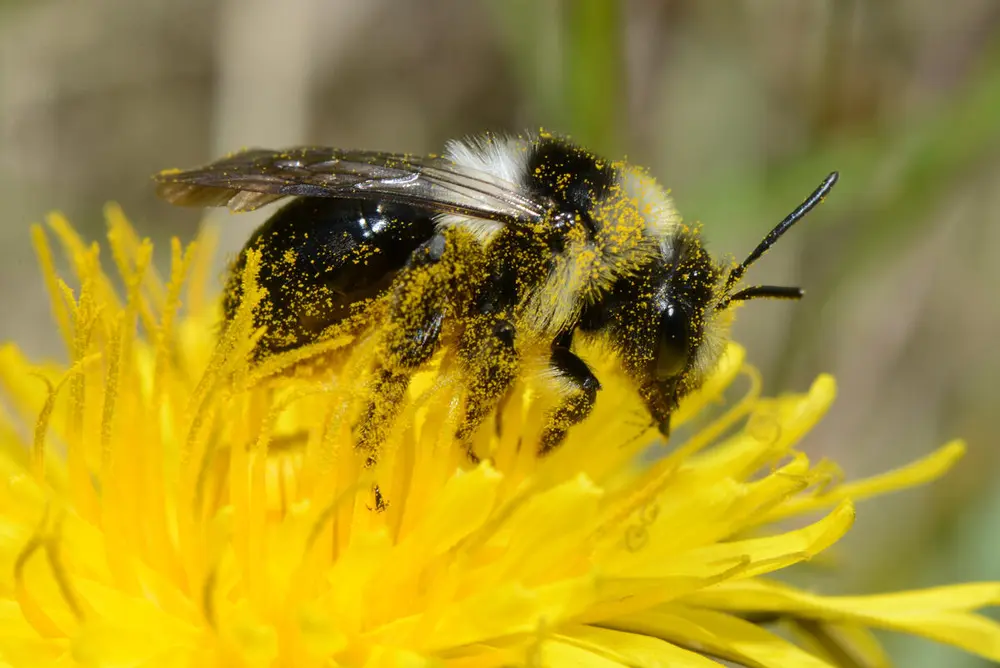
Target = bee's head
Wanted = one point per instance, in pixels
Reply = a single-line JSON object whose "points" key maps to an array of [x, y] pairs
{"points": [[690, 312], [684, 334]]}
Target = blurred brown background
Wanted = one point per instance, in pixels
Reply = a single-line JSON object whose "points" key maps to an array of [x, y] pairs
{"points": [[740, 108]]}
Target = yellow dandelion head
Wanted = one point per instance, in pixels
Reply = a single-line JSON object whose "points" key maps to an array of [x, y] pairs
{"points": [[165, 502]]}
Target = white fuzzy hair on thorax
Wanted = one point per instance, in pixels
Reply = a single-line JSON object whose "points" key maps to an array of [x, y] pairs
{"points": [[505, 158]]}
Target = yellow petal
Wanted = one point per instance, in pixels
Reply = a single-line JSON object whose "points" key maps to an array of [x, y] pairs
{"points": [[107, 643], [725, 373], [22, 645], [460, 507], [841, 644], [632, 649], [766, 595], [939, 613], [544, 533], [774, 428], [555, 654], [775, 552], [719, 635], [394, 657], [660, 532], [620, 596], [922, 471], [495, 613]]}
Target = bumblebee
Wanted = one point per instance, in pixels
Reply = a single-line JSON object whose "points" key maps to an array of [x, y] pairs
{"points": [[499, 249]]}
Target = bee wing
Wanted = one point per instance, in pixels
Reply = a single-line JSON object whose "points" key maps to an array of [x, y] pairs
{"points": [[253, 178]]}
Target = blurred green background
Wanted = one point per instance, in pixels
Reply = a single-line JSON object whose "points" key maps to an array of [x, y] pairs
{"points": [[740, 107]]}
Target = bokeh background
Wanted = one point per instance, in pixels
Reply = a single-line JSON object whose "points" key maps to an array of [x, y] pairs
{"points": [[740, 107]]}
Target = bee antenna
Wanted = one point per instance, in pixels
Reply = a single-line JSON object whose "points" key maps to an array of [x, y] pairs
{"points": [[795, 216], [762, 292]]}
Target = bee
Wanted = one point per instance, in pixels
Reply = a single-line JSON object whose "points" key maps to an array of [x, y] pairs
{"points": [[499, 248]]}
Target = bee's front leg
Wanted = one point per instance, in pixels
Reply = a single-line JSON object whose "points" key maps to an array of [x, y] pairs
{"points": [[580, 387]]}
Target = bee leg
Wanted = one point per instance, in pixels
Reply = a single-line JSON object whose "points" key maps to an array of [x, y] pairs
{"points": [[576, 403], [392, 378], [410, 338], [491, 363]]}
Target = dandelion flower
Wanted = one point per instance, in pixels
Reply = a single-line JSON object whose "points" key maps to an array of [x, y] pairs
{"points": [[164, 503]]}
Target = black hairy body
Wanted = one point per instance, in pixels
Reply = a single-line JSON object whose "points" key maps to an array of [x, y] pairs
{"points": [[504, 245]]}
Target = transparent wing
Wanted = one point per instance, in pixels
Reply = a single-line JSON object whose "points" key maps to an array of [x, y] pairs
{"points": [[253, 178]]}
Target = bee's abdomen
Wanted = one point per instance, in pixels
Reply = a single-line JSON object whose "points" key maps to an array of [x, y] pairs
{"points": [[321, 260]]}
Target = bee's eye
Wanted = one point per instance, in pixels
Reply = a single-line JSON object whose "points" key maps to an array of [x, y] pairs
{"points": [[674, 341]]}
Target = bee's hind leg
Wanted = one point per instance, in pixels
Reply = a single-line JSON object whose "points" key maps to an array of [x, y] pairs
{"points": [[491, 364], [409, 338], [392, 379], [580, 387]]}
